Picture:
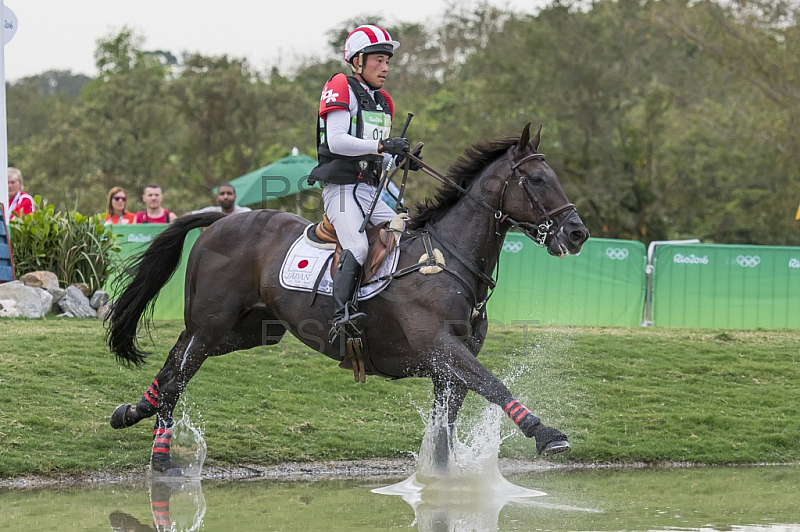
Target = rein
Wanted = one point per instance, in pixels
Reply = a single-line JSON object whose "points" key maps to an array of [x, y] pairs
{"points": [[544, 226]]}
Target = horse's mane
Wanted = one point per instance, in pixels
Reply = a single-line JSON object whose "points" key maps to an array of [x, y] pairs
{"points": [[462, 172]]}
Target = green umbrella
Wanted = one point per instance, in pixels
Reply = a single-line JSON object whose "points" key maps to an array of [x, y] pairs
{"points": [[284, 177]]}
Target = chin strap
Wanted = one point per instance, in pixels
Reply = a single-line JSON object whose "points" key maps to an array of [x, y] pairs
{"points": [[360, 68]]}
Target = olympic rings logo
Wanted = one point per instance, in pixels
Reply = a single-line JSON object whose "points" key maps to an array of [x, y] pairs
{"points": [[617, 253], [512, 247], [748, 261], [794, 263]]}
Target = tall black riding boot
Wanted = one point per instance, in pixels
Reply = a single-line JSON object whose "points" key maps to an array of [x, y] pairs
{"points": [[346, 321]]}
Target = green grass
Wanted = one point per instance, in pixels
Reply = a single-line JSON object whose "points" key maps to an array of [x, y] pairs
{"points": [[622, 395]]}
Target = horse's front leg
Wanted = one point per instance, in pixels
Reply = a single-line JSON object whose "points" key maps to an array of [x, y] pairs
{"points": [[448, 396], [456, 363]]}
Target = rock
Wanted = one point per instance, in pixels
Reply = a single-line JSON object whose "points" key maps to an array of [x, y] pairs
{"points": [[46, 299], [8, 309], [103, 311], [84, 288], [75, 304], [40, 279], [57, 294], [30, 302], [99, 298]]}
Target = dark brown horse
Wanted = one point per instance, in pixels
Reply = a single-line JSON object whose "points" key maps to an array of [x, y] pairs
{"points": [[419, 326]]}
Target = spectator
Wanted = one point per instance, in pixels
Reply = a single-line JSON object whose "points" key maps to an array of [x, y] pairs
{"points": [[117, 208], [154, 213], [19, 203], [226, 202]]}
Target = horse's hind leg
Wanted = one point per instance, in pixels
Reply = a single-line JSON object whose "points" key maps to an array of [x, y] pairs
{"points": [[184, 359], [126, 415], [160, 398]]}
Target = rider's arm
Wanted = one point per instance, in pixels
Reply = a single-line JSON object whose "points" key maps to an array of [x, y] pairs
{"points": [[341, 141]]}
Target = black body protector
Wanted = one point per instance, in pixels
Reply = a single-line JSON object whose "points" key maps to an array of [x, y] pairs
{"points": [[372, 121]]}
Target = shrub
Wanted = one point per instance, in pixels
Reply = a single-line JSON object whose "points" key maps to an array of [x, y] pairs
{"points": [[77, 248]]}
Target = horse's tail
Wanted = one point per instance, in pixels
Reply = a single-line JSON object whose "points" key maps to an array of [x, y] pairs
{"points": [[141, 279]]}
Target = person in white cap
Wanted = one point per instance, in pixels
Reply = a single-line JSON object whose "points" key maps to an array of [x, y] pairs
{"points": [[353, 147]]}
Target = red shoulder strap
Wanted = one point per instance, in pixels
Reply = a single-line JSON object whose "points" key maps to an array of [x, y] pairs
{"points": [[388, 101]]}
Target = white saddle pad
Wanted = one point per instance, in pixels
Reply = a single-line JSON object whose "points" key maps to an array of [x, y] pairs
{"points": [[304, 263]]}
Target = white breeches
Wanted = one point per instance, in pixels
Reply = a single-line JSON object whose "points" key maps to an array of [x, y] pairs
{"points": [[344, 209]]}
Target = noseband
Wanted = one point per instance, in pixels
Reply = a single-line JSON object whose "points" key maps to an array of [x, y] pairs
{"points": [[544, 226]]}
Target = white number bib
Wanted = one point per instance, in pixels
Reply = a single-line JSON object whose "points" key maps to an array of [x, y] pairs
{"points": [[377, 125]]}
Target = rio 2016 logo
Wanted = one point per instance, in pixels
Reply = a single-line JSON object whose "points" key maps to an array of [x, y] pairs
{"points": [[748, 261], [617, 253], [689, 259], [794, 263], [512, 247]]}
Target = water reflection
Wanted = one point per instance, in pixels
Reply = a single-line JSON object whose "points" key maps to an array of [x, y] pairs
{"points": [[469, 494], [745, 499], [175, 505]]}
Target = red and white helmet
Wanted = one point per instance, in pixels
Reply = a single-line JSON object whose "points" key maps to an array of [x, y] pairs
{"points": [[368, 39]]}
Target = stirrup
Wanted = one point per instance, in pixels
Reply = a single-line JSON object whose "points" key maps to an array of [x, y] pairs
{"points": [[349, 326]]}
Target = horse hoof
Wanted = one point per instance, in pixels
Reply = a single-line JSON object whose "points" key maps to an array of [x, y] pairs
{"points": [[120, 418], [164, 466], [173, 472], [556, 447], [550, 441]]}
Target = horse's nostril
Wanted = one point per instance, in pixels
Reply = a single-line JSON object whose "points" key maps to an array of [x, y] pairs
{"points": [[578, 235]]}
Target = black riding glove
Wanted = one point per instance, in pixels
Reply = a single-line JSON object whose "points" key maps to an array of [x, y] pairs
{"points": [[412, 164], [394, 145]]}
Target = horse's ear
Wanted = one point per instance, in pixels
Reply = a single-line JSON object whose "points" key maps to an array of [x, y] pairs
{"points": [[525, 137], [536, 138]]}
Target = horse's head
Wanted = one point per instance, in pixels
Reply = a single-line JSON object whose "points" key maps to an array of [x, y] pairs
{"points": [[536, 203]]}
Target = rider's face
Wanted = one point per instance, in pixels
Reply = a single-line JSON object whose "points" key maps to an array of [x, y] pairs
{"points": [[376, 66]]}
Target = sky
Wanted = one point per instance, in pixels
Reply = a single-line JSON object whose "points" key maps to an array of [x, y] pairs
{"points": [[63, 34]]}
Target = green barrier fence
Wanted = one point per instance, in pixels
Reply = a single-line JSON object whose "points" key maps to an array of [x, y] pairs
{"points": [[603, 285], [135, 239], [726, 286], [694, 285]]}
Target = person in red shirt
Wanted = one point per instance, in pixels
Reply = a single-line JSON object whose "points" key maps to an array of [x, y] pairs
{"points": [[19, 203], [155, 213], [117, 208]]}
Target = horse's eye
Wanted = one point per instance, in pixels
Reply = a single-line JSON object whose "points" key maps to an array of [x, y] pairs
{"points": [[536, 180]]}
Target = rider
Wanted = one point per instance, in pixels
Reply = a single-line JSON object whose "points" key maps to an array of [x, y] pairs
{"points": [[353, 148]]}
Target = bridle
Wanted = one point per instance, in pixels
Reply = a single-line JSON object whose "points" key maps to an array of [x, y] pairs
{"points": [[545, 226], [540, 231]]}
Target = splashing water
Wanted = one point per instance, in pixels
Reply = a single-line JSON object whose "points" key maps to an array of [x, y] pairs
{"points": [[470, 491], [188, 447]]}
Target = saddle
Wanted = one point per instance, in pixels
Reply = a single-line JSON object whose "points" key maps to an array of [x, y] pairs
{"points": [[381, 238]]}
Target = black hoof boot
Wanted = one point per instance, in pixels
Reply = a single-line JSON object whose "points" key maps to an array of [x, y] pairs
{"points": [[124, 416], [530, 425], [550, 441], [164, 466]]}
